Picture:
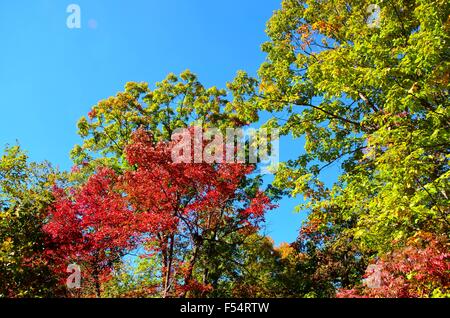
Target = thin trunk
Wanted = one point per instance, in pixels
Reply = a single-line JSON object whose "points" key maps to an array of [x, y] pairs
{"points": [[169, 267], [205, 276], [98, 290]]}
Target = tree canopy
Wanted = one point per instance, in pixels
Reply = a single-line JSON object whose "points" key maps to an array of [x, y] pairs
{"points": [[363, 84]]}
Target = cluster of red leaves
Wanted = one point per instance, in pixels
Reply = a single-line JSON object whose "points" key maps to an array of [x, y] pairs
{"points": [[187, 198], [167, 193], [90, 226], [411, 272], [158, 199]]}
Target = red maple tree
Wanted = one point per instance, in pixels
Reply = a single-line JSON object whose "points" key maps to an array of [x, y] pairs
{"points": [[92, 227], [186, 204], [175, 207]]}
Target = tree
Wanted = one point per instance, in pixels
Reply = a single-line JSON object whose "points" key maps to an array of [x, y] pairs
{"points": [[137, 276], [368, 98], [176, 102], [421, 269], [184, 214], [375, 100], [193, 213], [25, 195], [92, 227]]}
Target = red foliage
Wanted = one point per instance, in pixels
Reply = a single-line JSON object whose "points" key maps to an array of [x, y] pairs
{"points": [[413, 271], [90, 226], [167, 192], [187, 198], [159, 200]]}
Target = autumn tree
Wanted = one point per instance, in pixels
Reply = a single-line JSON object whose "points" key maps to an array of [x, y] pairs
{"points": [[176, 102], [420, 269], [187, 216], [194, 213], [92, 227], [365, 83]]}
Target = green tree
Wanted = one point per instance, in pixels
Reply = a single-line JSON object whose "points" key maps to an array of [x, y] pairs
{"points": [[25, 195], [372, 98], [175, 102], [135, 277]]}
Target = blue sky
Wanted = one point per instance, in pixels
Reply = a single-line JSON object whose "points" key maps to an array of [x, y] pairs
{"points": [[51, 75]]}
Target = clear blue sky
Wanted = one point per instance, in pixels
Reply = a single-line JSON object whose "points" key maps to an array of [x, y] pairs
{"points": [[51, 75]]}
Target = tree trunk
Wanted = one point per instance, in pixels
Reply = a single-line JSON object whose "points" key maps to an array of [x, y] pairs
{"points": [[169, 267]]}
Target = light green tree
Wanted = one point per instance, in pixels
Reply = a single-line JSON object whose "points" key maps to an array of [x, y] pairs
{"points": [[25, 196]]}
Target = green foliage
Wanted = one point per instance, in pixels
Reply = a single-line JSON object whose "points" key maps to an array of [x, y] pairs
{"points": [[176, 102], [375, 100], [24, 199], [371, 100], [135, 278]]}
